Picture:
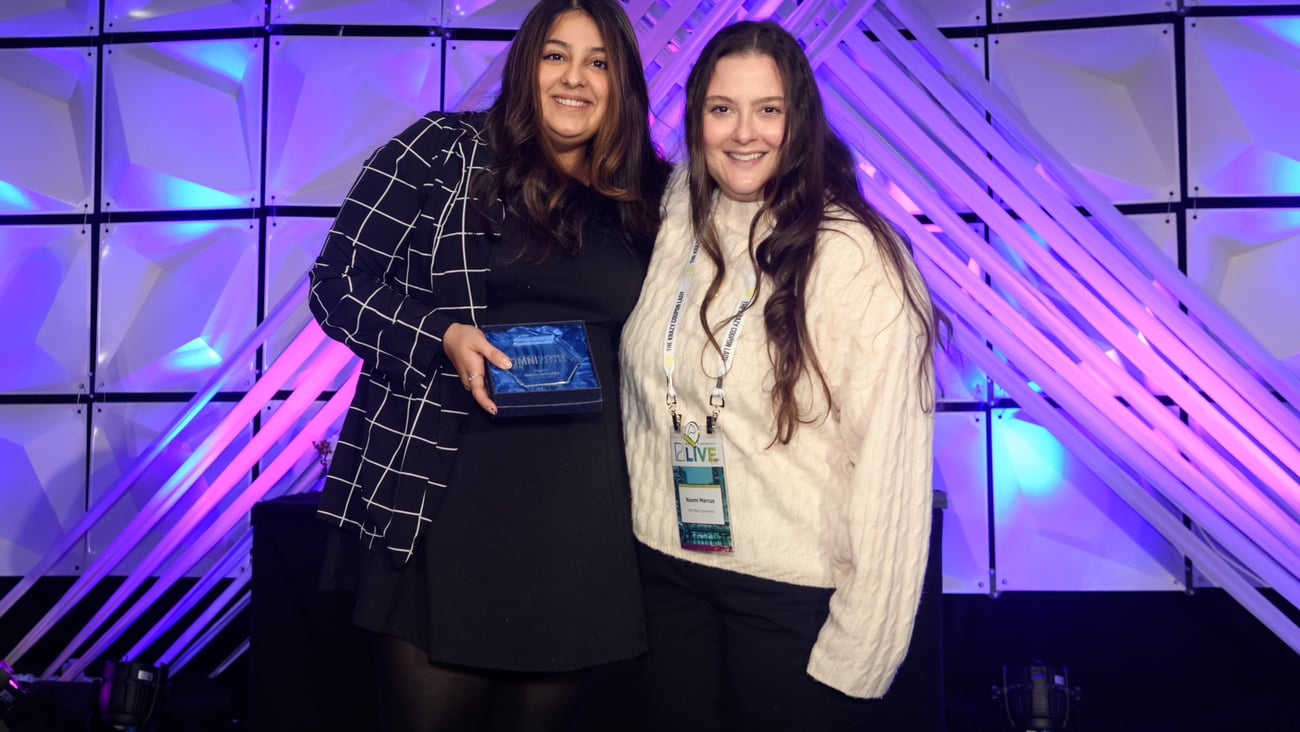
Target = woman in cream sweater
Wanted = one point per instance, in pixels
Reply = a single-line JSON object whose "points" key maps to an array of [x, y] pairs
{"points": [[778, 406]]}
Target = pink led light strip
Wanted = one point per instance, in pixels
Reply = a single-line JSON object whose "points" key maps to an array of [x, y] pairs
{"points": [[1079, 422], [921, 146], [180, 536], [237, 360], [1006, 328], [180, 482], [227, 566], [1246, 348], [1149, 311]]}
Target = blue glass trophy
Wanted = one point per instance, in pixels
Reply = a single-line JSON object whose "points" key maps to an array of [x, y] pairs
{"points": [[552, 371]]}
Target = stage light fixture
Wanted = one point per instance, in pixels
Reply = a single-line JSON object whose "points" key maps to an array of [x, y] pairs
{"points": [[1036, 698], [130, 694], [12, 694]]}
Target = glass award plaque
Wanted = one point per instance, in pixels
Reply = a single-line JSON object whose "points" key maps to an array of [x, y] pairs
{"points": [[552, 372]]}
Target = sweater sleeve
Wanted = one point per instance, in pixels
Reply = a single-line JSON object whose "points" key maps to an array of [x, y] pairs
{"points": [[356, 292], [881, 499]]}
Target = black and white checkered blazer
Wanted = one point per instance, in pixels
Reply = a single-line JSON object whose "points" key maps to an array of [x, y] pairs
{"points": [[402, 262]]}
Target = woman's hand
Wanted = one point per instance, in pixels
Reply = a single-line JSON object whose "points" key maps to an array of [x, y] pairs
{"points": [[469, 351]]}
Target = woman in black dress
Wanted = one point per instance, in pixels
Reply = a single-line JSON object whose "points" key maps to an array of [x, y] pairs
{"points": [[499, 566]]}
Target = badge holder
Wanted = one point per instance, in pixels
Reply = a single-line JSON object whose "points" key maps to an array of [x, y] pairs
{"points": [[699, 483]]}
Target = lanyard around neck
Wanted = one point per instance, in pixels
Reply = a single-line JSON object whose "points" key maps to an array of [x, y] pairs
{"points": [[717, 399]]}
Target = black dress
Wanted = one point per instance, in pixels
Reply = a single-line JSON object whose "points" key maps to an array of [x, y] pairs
{"points": [[529, 563]]}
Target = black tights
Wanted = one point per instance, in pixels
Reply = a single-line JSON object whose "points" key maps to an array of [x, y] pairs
{"points": [[415, 695]]}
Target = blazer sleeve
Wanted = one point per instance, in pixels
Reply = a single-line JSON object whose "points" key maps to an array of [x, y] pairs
{"points": [[360, 283], [884, 403]]}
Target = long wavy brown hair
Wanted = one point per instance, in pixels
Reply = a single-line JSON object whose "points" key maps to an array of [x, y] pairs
{"points": [[623, 163], [815, 173]]}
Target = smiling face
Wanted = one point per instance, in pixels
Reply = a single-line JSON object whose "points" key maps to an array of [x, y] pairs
{"points": [[743, 125], [573, 84]]}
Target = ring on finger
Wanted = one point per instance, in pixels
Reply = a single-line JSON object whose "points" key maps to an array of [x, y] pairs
{"points": [[471, 378]]}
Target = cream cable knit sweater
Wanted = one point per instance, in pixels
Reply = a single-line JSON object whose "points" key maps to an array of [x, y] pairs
{"points": [[847, 503]]}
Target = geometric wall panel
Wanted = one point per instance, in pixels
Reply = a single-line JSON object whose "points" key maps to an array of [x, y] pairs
{"points": [[1241, 125], [952, 13], [1104, 98], [1057, 526], [504, 14], [182, 125], [466, 61], [43, 461], [334, 101], [356, 12], [121, 432], [44, 309], [175, 300], [48, 98], [960, 470], [1027, 10], [1234, 3], [49, 18], [1247, 261], [135, 16]]}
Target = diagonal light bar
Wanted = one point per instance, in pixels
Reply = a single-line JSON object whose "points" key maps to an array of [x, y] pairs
{"points": [[1108, 458], [210, 634], [980, 156], [1154, 316], [307, 341], [1000, 322], [221, 667], [1003, 326], [1235, 338], [227, 566], [151, 453], [323, 372], [1271, 475], [238, 554], [937, 161], [925, 148], [1207, 559]]}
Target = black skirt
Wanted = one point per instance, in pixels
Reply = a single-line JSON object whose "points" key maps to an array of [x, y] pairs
{"points": [[529, 564]]}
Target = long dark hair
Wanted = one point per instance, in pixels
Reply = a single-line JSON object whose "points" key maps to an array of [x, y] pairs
{"points": [[815, 173], [623, 162]]}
